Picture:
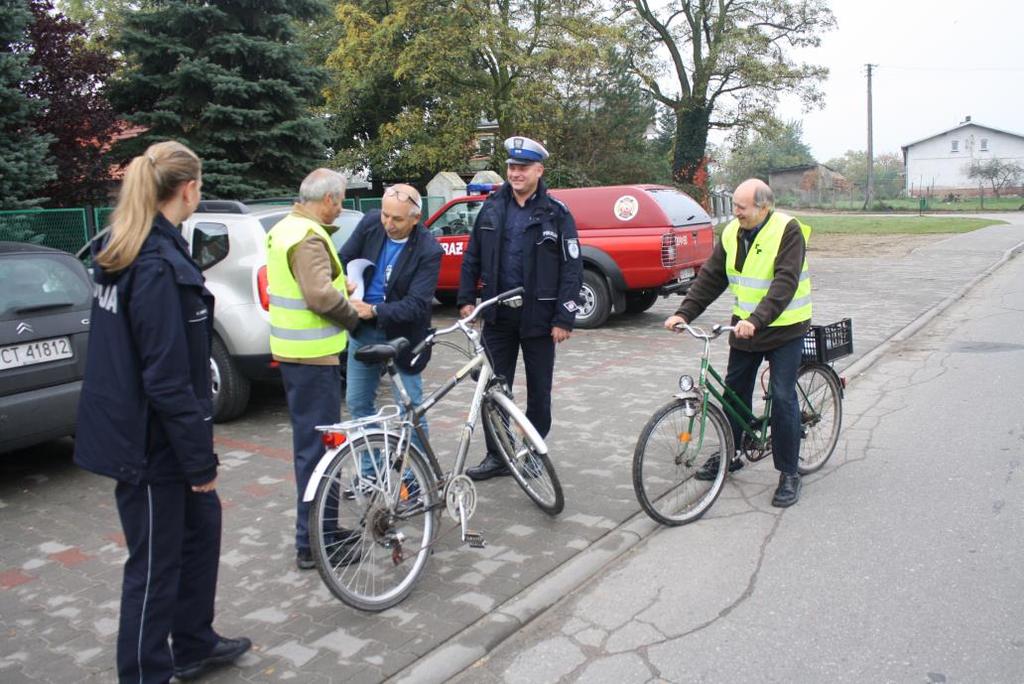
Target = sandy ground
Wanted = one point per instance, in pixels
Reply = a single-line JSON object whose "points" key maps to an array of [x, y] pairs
{"points": [[885, 246]]}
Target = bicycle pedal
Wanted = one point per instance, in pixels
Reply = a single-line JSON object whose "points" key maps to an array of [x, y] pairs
{"points": [[475, 540]]}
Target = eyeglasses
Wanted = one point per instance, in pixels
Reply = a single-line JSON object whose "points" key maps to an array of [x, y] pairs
{"points": [[404, 196]]}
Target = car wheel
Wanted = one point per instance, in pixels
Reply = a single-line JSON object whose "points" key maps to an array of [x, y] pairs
{"points": [[597, 301], [638, 301], [230, 387]]}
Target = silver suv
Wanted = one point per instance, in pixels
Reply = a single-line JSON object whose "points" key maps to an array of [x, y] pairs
{"points": [[228, 241]]}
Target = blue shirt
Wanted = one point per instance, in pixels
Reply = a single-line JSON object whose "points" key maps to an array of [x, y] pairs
{"points": [[517, 218], [389, 254]]}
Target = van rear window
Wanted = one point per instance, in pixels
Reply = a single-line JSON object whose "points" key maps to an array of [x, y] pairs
{"points": [[680, 208]]}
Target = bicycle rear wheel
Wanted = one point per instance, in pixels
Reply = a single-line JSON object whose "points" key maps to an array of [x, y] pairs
{"points": [[673, 446], [370, 526], [515, 437], [821, 415]]}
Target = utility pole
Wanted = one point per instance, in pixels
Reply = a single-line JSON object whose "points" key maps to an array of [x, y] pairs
{"points": [[870, 190]]}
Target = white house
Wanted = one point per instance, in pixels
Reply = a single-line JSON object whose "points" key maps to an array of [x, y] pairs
{"points": [[939, 162]]}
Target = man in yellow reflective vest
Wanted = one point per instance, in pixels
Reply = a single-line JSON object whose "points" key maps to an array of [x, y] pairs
{"points": [[310, 315], [762, 259]]}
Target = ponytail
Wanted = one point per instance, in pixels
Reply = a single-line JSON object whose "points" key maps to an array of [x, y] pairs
{"points": [[149, 180]]}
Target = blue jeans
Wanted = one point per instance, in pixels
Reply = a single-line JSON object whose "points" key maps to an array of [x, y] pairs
{"points": [[314, 398], [364, 379], [741, 378]]}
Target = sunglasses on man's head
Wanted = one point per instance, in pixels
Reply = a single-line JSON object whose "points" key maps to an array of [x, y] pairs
{"points": [[404, 196]]}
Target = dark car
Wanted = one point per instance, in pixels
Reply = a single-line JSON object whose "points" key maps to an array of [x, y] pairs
{"points": [[45, 299]]}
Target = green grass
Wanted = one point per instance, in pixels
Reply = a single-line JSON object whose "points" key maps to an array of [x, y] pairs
{"points": [[932, 204], [892, 225]]}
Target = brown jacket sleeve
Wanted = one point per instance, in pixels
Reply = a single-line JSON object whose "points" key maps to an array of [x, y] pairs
{"points": [[313, 270], [711, 282], [789, 263]]}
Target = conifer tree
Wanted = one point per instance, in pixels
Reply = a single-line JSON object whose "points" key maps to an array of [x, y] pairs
{"points": [[226, 78], [24, 166]]}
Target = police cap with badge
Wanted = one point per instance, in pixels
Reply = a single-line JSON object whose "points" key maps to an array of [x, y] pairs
{"points": [[524, 151]]}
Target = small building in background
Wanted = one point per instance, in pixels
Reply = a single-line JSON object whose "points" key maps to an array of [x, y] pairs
{"points": [[939, 164], [446, 185], [485, 142], [806, 184]]}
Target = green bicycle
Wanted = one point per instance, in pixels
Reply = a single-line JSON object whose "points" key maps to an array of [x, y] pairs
{"points": [[693, 429]]}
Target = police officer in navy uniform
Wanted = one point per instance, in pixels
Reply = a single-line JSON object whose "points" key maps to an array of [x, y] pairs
{"points": [[523, 237], [145, 419]]}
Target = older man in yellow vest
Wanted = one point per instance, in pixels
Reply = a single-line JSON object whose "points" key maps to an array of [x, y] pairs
{"points": [[762, 259], [310, 315]]}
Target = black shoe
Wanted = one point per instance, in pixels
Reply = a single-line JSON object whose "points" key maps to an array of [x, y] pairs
{"points": [[225, 652], [709, 471], [788, 491], [304, 559], [491, 466]]}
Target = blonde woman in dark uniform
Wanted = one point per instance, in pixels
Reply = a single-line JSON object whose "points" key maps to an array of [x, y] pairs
{"points": [[145, 419]]}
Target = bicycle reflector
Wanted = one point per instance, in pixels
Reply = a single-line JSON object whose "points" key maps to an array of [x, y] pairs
{"points": [[685, 383], [332, 440]]}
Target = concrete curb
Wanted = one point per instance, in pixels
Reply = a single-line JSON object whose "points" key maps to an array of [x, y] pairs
{"points": [[478, 639]]}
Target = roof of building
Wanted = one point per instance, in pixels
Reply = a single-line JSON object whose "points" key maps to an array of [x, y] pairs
{"points": [[962, 124], [802, 167]]}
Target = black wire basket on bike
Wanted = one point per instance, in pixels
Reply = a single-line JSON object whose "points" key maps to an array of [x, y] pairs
{"points": [[826, 343]]}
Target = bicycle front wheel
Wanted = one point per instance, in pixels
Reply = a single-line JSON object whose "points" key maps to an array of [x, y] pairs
{"points": [[514, 436], [821, 415], [371, 526], [674, 451]]}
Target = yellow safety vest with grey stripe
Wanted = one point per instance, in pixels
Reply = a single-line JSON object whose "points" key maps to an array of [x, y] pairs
{"points": [[295, 331], [751, 284]]}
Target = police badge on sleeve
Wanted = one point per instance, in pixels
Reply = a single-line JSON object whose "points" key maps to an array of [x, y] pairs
{"points": [[572, 248]]}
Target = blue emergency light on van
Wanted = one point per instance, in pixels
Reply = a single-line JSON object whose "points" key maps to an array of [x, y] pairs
{"points": [[482, 188]]}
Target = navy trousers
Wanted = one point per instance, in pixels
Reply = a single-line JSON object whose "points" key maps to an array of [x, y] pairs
{"points": [[314, 398], [170, 578], [741, 377], [503, 342]]}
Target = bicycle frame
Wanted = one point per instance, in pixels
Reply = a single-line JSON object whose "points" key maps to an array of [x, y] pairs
{"points": [[713, 384], [715, 387], [410, 420], [413, 414], [734, 406]]}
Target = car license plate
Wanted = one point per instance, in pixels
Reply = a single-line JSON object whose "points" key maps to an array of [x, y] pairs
{"points": [[686, 275], [30, 353]]}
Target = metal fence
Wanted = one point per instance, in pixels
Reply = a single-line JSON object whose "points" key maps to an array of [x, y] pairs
{"points": [[66, 229], [101, 217], [720, 206]]}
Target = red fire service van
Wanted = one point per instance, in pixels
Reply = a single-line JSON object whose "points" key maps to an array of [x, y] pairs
{"points": [[637, 242]]}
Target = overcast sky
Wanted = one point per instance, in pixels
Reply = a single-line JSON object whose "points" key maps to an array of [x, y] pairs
{"points": [[938, 61]]}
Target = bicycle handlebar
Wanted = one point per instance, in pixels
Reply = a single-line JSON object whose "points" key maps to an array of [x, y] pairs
{"points": [[468, 320], [716, 332]]}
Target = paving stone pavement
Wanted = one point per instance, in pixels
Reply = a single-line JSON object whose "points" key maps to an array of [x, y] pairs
{"points": [[61, 549]]}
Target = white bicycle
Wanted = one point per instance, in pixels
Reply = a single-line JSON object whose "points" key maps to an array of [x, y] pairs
{"points": [[376, 495]]}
